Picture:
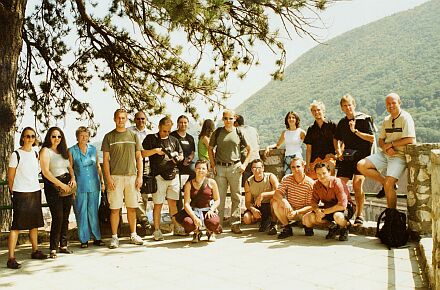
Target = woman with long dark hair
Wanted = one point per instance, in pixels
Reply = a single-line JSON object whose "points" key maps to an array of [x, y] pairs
{"points": [[26, 195], [59, 182], [205, 134]]}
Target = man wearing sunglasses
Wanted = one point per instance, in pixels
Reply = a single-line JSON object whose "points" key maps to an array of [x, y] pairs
{"points": [[292, 198], [396, 132], [224, 156]]}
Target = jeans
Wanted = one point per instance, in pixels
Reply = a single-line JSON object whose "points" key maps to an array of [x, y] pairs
{"points": [[229, 175], [60, 211], [86, 207]]}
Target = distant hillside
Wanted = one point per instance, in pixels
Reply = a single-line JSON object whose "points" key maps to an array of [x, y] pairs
{"points": [[398, 53]]}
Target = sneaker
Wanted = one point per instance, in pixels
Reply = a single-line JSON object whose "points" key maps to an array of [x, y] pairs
{"points": [[308, 232], [264, 226], [157, 235], [332, 231], [179, 231], [196, 237], [359, 221], [287, 232], [272, 230], [136, 240], [236, 229], [343, 234], [13, 264], [211, 237], [38, 255], [114, 243]]}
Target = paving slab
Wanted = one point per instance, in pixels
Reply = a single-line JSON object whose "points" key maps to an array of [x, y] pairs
{"points": [[251, 260]]}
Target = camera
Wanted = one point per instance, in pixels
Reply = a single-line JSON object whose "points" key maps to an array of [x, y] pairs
{"points": [[173, 155]]}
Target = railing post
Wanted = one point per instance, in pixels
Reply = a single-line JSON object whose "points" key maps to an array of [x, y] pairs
{"points": [[435, 185]]}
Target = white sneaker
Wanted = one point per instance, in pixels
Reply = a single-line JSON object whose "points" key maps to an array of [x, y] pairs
{"points": [[136, 240], [179, 231], [114, 243], [157, 235]]}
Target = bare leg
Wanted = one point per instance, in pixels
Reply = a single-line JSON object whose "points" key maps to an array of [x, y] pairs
{"points": [[367, 168], [157, 209], [131, 216], [172, 207], [340, 219], [12, 242], [359, 195], [114, 220], [279, 213], [390, 192], [33, 235]]}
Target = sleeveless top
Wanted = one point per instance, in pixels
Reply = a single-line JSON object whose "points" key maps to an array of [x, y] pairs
{"points": [[293, 142], [204, 198], [57, 164], [257, 187], [202, 151]]}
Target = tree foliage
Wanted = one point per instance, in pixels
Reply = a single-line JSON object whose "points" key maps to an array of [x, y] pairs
{"points": [[398, 53], [129, 46]]}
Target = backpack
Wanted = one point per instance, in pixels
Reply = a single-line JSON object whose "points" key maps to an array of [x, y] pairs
{"points": [[242, 141], [394, 232], [18, 156]]}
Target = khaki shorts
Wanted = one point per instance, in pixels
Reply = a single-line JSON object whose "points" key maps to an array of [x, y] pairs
{"points": [[125, 190], [166, 189]]}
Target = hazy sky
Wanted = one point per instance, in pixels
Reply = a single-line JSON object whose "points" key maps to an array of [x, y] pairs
{"points": [[338, 18]]}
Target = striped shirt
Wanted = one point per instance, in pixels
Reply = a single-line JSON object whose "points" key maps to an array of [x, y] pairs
{"points": [[298, 194]]}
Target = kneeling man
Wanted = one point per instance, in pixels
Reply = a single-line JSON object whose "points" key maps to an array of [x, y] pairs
{"points": [[338, 207], [292, 198], [259, 189]]}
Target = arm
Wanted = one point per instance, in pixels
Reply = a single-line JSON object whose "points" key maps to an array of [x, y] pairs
{"points": [[215, 196], [212, 159], [338, 148], [11, 177], [72, 182], [268, 194], [98, 168], [308, 157], [248, 201], [108, 178], [248, 157], [276, 145], [44, 164], [140, 169]]}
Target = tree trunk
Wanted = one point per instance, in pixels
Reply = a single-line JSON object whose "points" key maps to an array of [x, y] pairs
{"points": [[12, 13]]}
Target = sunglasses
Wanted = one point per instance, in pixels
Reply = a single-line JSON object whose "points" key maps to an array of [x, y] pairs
{"points": [[29, 136], [55, 137], [140, 119], [296, 166], [226, 119]]}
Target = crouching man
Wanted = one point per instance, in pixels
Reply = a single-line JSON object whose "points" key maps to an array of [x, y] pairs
{"points": [[338, 207], [259, 190], [292, 198]]}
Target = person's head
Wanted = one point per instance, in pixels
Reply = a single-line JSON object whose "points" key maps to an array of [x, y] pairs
{"points": [[322, 170], [165, 125], [120, 118], [257, 167], [182, 123], [297, 165], [55, 138], [393, 102], [292, 119], [82, 135], [207, 128], [317, 108], [201, 168], [348, 105], [140, 119], [28, 136], [239, 121], [228, 118]]}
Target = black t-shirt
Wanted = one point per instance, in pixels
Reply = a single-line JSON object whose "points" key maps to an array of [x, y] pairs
{"points": [[161, 163], [187, 143], [321, 139], [343, 133]]}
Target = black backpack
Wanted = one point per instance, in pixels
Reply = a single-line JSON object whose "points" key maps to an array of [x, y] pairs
{"points": [[394, 232]]}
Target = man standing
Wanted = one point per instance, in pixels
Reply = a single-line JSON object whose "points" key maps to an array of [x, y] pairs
{"points": [[164, 152], [319, 139], [140, 129], [259, 189], [355, 136], [396, 132], [226, 165], [253, 139], [123, 175], [292, 198]]}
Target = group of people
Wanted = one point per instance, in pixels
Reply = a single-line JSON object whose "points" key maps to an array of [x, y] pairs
{"points": [[310, 193]]}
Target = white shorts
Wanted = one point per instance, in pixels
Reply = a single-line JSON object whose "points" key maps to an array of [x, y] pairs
{"points": [[395, 166], [169, 189]]}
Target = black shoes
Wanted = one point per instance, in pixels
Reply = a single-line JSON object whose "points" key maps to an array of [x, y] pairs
{"points": [[332, 231], [272, 230], [38, 255], [308, 232], [287, 232], [381, 192], [98, 243], [343, 234], [264, 225], [13, 264]]}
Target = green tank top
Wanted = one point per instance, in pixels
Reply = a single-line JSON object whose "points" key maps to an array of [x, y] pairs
{"points": [[202, 151]]}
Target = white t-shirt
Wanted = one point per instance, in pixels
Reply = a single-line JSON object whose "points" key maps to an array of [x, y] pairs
{"points": [[396, 129], [26, 174]]}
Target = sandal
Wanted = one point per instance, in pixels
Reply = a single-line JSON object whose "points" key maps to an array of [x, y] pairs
{"points": [[98, 243], [359, 221], [53, 254]]}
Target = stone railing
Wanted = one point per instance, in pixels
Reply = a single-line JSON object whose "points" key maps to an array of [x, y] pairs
{"points": [[435, 185]]}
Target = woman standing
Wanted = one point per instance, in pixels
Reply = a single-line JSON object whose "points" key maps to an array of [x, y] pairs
{"points": [[85, 161], [26, 196], [188, 146], [205, 134], [59, 181], [201, 199], [293, 137]]}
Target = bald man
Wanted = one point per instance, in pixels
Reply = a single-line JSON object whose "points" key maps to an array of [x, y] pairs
{"points": [[396, 132]]}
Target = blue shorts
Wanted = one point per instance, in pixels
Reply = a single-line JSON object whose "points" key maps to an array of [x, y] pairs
{"points": [[394, 165]]}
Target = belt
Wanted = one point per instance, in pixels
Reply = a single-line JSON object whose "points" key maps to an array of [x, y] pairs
{"points": [[226, 163]]}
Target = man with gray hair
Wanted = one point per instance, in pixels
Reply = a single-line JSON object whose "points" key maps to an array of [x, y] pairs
{"points": [[397, 131]]}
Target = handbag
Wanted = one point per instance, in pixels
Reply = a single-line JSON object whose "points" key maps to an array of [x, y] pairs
{"points": [[65, 178], [149, 184], [104, 209]]}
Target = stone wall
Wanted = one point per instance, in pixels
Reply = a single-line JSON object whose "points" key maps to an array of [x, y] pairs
{"points": [[435, 185], [419, 190]]}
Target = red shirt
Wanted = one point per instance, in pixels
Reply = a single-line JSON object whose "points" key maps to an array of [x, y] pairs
{"points": [[337, 193]]}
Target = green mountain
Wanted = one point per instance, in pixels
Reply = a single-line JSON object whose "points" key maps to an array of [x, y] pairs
{"points": [[399, 53]]}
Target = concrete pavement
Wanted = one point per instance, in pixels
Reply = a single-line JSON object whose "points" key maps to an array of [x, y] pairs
{"points": [[252, 260]]}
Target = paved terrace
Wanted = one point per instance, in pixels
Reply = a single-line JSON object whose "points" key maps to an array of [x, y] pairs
{"points": [[251, 260]]}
